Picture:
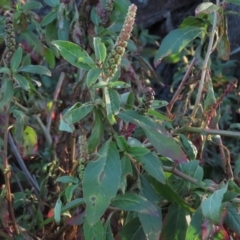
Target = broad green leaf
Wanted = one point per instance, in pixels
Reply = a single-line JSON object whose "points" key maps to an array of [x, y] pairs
{"points": [[108, 235], [157, 135], [63, 28], [22, 81], [188, 147], [49, 57], [92, 76], [110, 105], [35, 69], [194, 230], [152, 225], [16, 59], [57, 211], [193, 170], [167, 192], [127, 100], [115, 100], [63, 126], [119, 84], [176, 41], [29, 141], [212, 206], [121, 142], [31, 5], [67, 179], [232, 219], [132, 231], [194, 22], [74, 54], [157, 115], [5, 70], [134, 202], [51, 16], [101, 181], [69, 191], [97, 131], [206, 8], [77, 112], [93, 232], [153, 166], [166, 146], [52, 3], [138, 151], [99, 49], [73, 204], [126, 167], [175, 224], [159, 104], [6, 93]]}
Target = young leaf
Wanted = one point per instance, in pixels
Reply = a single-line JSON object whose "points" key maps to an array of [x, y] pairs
{"points": [[176, 41], [52, 3], [6, 93], [92, 76], [5, 70], [101, 181], [134, 202], [49, 57], [121, 142], [50, 17], [138, 151], [206, 8], [194, 230], [69, 191], [97, 131], [57, 211], [99, 49], [111, 104], [211, 207], [35, 69], [74, 54], [31, 5], [77, 112], [232, 219], [16, 59], [93, 232], [67, 179], [29, 141], [175, 224], [153, 166], [22, 81], [107, 228]]}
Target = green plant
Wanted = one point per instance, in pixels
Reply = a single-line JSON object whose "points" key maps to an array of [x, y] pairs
{"points": [[108, 161]]}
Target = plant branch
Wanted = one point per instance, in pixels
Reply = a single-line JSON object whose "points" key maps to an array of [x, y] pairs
{"points": [[205, 63], [7, 172], [193, 181], [176, 94], [205, 131], [22, 165]]}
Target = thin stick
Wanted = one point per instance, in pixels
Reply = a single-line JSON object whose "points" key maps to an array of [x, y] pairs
{"points": [[22, 165], [204, 131], [7, 172], [175, 96], [55, 97], [205, 63]]}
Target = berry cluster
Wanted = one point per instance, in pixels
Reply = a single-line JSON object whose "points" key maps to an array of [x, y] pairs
{"points": [[148, 97], [114, 58], [83, 157], [9, 37], [106, 12]]}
